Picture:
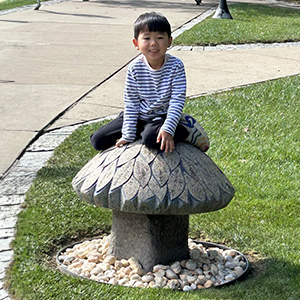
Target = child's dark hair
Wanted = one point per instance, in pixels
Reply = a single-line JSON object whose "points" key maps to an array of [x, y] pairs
{"points": [[151, 22]]}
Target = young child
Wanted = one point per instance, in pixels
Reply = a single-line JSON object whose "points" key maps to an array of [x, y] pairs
{"points": [[154, 95]]}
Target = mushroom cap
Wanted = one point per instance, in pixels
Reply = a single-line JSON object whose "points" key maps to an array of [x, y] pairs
{"points": [[137, 179]]}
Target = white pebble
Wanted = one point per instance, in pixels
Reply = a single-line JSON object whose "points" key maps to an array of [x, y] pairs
{"points": [[229, 277], [110, 273], [191, 278], [134, 263], [88, 266], [214, 269], [139, 284], [212, 254], [242, 264], [118, 265], [173, 284], [200, 280], [97, 270], [195, 254], [139, 271], [159, 267], [191, 265], [176, 268], [110, 259], [113, 281], [238, 271], [230, 265], [147, 278], [125, 262], [127, 270], [223, 272], [183, 277], [136, 277], [228, 258], [170, 274], [208, 284], [123, 281], [205, 268], [104, 278], [161, 281], [238, 258], [160, 273], [183, 263], [232, 252], [187, 288], [104, 266]]}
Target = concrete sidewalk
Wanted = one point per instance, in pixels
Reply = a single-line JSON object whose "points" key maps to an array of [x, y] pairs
{"points": [[52, 57]]}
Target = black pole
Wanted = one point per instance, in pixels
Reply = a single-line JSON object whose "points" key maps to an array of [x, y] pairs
{"points": [[38, 5], [222, 11]]}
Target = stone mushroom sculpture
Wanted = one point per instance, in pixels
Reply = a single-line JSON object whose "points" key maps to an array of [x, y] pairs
{"points": [[152, 194]]}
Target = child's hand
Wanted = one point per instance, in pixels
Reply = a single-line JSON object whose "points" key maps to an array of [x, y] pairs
{"points": [[166, 141], [121, 142]]}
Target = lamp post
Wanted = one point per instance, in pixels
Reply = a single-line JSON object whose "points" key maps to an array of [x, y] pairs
{"points": [[222, 11], [38, 5]]}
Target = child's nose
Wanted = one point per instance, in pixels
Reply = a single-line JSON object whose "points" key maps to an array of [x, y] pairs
{"points": [[153, 42]]}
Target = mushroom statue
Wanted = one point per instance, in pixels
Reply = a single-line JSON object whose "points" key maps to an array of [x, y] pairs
{"points": [[152, 194]]}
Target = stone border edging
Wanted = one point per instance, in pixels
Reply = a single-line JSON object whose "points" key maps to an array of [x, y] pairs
{"points": [[14, 186], [235, 47]]}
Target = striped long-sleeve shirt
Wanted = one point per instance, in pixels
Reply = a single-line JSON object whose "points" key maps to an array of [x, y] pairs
{"points": [[150, 93]]}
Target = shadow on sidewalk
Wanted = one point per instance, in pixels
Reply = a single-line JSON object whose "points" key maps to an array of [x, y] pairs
{"points": [[76, 15]]}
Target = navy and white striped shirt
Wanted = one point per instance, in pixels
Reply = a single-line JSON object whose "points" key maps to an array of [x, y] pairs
{"points": [[150, 93]]}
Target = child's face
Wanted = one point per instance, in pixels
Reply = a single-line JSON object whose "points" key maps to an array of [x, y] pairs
{"points": [[154, 46]]}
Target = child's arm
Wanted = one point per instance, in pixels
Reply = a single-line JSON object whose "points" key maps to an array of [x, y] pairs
{"points": [[166, 141], [131, 108], [176, 103], [121, 142]]}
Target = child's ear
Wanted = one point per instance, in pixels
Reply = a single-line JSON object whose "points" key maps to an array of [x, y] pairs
{"points": [[170, 41], [136, 44]]}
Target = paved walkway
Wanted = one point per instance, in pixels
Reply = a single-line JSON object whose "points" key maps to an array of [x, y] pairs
{"points": [[65, 65]]}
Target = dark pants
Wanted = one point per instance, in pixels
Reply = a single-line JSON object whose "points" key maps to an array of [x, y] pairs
{"points": [[107, 135]]}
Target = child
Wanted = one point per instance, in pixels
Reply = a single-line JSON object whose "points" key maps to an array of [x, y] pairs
{"points": [[154, 95]]}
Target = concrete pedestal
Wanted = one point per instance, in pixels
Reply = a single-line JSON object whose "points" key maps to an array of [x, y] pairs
{"points": [[152, 239]]}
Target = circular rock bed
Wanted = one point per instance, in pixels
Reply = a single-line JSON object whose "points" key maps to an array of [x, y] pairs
{"points": [[209, 265]]}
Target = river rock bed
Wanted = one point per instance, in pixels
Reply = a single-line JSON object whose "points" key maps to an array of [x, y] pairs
{"points": [[207, 267]]}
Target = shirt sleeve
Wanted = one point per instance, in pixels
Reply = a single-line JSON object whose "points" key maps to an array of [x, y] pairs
{"points": [[177, 101], [131, 107]]}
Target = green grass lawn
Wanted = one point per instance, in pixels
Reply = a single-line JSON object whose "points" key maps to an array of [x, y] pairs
{"points": [[250, 24], [255, 136], [9, 4]]}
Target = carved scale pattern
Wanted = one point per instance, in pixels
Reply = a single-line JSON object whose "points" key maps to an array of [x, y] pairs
{"points": [[137, 179]]}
